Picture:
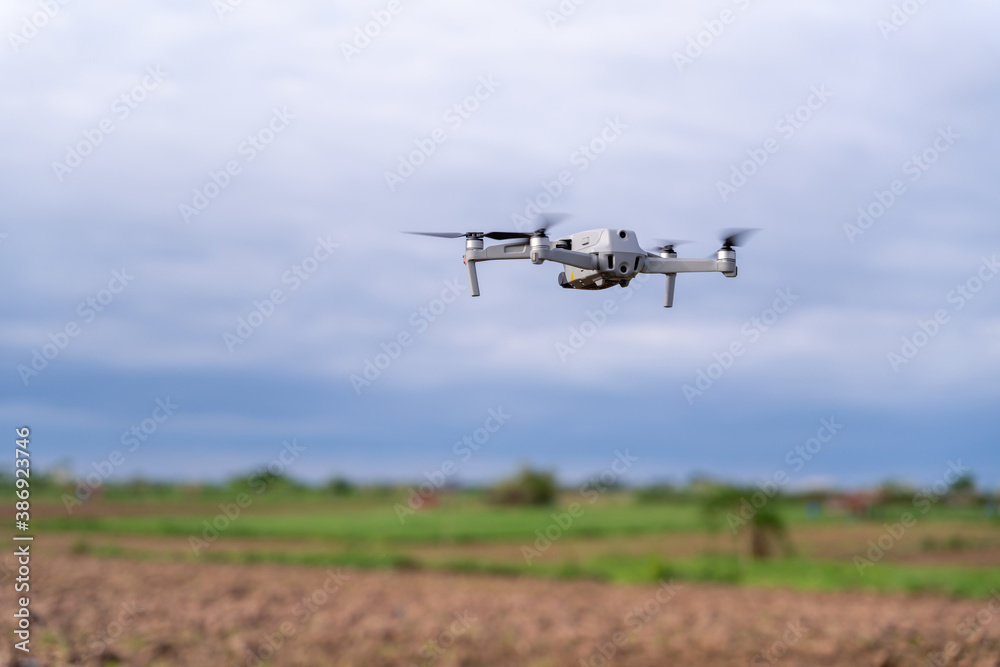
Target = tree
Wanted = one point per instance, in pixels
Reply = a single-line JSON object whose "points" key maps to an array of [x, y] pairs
{"points": [[528, 487], [964, 484], [340, 486], [734, 507]]}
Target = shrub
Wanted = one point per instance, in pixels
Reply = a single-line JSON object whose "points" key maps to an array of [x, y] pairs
{"points": [[528, 487], [340, 486]]}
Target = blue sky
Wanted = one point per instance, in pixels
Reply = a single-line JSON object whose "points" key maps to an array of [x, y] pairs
{"points": [[231, 162]]}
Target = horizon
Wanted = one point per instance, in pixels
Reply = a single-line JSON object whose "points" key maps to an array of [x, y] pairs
{"points": [[205, 209]]}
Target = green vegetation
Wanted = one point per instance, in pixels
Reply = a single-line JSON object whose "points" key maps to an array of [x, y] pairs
{"points": [[766, 525], [978, 582], [528, 487], [470, 521], [738, 535]]}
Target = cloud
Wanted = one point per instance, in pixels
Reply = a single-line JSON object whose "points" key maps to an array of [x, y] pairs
{"points": [[323, 176]]}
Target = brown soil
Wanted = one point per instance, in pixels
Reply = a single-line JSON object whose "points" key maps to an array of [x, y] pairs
{"points": [[225, 615]]}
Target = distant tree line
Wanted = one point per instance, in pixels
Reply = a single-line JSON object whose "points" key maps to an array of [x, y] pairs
{"points": [[527, 487]]}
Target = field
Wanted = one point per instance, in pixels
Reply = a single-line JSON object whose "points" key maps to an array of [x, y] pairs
{"points": [[213, 583]]}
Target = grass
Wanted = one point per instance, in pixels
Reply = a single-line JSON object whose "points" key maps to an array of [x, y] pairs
{"points": [[460, 524], [791, 573], [367, 533], [462, 521]]}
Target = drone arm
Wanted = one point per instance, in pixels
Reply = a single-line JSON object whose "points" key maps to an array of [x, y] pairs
{"points": [[523, 251], [502, 251], [480, 254], [725, 263], [580, 260], [674, 265]]}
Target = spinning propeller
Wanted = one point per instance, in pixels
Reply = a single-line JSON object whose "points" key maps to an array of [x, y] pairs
{"points": [[665, 245], [548, 221], [596, 259], [734, 238]]}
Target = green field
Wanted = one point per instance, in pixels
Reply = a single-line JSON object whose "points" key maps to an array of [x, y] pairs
{"points": [[953, 549], [793, 573], [380, 523], [465, 522]]}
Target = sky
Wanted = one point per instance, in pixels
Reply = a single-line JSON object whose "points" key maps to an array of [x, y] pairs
{"points": [[203, 200]]}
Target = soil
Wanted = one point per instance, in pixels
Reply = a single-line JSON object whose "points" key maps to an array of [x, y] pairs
{"points": [[94, 611]]}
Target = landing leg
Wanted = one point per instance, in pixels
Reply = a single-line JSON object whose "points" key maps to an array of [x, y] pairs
{"points": [[668, 300]]}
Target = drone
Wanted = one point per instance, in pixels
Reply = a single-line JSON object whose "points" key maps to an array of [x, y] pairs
{"points": [[595, 259]]}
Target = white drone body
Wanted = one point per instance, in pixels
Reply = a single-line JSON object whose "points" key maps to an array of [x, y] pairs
{"points": [[595, 259]]}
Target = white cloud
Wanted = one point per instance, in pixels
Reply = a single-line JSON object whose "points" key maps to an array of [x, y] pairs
{"points": [[352, 121]]}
